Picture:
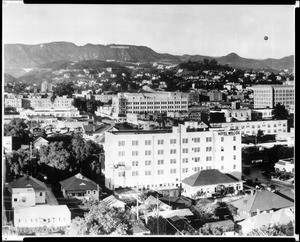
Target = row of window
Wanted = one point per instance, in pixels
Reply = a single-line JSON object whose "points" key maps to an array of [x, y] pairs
{"points": [[157, 103], [41, 220], [172, 171]]}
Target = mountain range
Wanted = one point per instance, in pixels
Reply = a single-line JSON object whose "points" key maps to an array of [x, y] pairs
{"points": [[20, 58]]}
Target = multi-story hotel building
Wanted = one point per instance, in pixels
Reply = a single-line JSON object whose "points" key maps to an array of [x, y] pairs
{"points": [[11, 100], [267, 96], [252, 127], [125, 103], [163, 158]]}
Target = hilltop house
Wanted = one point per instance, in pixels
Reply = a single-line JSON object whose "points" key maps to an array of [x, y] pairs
{"points": [[80, 187], [27, 191]]}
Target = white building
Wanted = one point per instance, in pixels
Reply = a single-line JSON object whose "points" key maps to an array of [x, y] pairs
{"points": [[267, 96], [42, 215], [39, 102], [286, 165], [252, 127], [7, 144], [47, 111], [150, 102], [105, 98], [262, 113], [12, 101], [160, 158]]}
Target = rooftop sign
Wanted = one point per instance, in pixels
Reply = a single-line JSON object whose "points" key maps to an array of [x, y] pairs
{"points": [[228, 133]]}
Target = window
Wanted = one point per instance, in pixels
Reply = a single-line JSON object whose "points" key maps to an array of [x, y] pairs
{"points": [[196, 159], [147, 142], [160, 172], [185, 170], [41, 194], [208, 158], [148, 173], [135, 142], [160, 162], [147, 162], [135, 173], [122, 173], [234, 138], [147, 152], [222, 158], [135, 163], [15, 199], [234, 157], [208, 149], [172, 141], [121, 153], [185, 160], [135, 153], [172, 151], [208, 139], [160, 142], [173, 171], [197, 149], [173, 161], [121, 143], [185, 150], [196, 169], [196, 140], [160, 152], [23, 199], [234, 166], [222, 168], [234, 147], [185, 141], [222, 148], [222, 139]]}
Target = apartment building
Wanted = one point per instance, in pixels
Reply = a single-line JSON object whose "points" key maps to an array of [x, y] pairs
{"points": [[125, 103], [267, 96], [47, 111], [105, 98], [39, 102], [162, 158], [12, 101], [252, 127]]}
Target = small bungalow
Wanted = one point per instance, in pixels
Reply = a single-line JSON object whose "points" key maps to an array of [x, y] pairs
{"points": [[227, 226], [208, 181], [39, 142], [80, 187], [260, 201]]}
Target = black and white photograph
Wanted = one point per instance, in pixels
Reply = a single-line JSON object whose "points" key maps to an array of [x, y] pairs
{"points": [[154, 120]]}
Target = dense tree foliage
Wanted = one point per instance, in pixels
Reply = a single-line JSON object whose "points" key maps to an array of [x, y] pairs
{"points": [[152, 225], [204, 65], [65, 88], [280, 112], [274, 230], [101, 220], [16, 128]]}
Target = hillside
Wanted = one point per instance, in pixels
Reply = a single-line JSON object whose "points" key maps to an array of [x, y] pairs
{"points": [[19, 58]]}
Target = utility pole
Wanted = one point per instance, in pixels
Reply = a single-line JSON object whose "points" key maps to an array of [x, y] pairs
{"points": [[137, 202], [30, 157], [157, 215]]}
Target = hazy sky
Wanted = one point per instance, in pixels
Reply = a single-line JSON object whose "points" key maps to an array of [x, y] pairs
{"points": [[213, 30]]}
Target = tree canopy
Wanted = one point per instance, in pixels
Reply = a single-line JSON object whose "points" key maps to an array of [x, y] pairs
{"points": [[101, 220], [280, 112], [16, 128], [274, 230]]}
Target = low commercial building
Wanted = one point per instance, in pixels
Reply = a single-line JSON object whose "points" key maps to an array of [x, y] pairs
{"points": [[207, 181], [261, 113], [41, 216], [285, 165]]}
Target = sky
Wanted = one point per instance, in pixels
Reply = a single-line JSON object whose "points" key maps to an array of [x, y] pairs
{"points": [[213, 30]]}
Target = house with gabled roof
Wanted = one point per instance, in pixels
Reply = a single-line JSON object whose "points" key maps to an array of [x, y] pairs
{"points": [[27, 191], [80, 187], [207, 181], [281, 216], [39, 142], [112, 201], [260, 201]]}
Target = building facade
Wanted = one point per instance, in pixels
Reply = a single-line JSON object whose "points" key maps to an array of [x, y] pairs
{"points": [[125, 103], [39, 102], [160, 158], [267, 96], [252, 127], [12, 101]]}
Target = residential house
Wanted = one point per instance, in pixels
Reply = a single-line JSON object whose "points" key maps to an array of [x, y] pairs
{"points": [[80, 187], [282, 216], [227, 226], [260, 201], [208, 181], [177, 202], [27, 191], [156, 202], [7, 144], [112, 201], [40, 142], [42, 215], [139, 229]]}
